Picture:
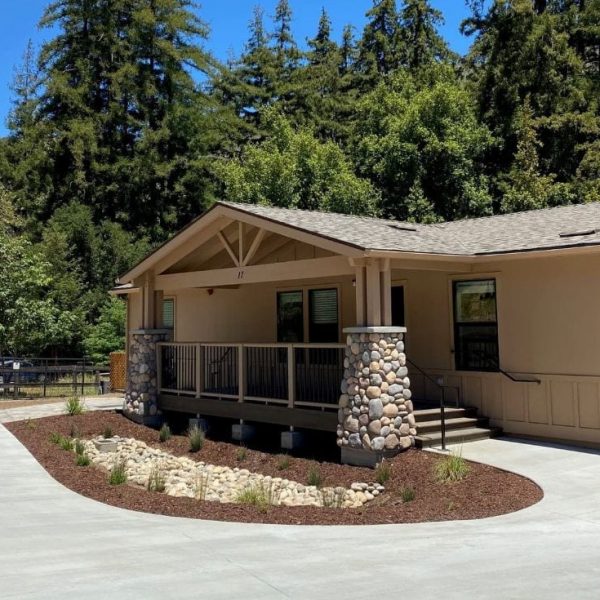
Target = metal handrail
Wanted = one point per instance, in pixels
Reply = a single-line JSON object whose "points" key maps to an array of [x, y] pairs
{"points": [[442, 388], [494, 360]]}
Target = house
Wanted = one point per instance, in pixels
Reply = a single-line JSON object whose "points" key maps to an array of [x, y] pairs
{"points": [[350, 324]]}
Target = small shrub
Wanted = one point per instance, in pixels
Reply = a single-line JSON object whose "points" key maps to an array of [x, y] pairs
{"points": [[201, 486], [118, 475], [407, 493], [31, 424], [156, 479], [314, 477], [55, 438], [451, 468], [333, 497], [165, 433], [82, 460], [383, 472], [107, 433], [259, 496], [196, 438], [241, 454], [66, 444], [284, 462], [79, 448], [74, 406]]}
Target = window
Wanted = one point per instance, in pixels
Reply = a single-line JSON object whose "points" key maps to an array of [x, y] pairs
{"points": [[475, 325], [290, 317], [168, 314], [323, 316], [398, 317]]}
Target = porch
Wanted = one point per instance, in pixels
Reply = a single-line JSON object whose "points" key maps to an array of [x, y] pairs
{"points": [[294, 385]]}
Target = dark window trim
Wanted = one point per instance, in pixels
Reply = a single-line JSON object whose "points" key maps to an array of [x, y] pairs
{"points": [[457, 324]]}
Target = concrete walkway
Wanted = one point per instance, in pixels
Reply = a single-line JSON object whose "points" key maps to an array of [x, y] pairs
{"points": [[55, 543], [37, 411]]}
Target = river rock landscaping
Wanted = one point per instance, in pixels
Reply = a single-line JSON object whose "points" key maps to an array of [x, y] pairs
{"points": [[215, 482]]}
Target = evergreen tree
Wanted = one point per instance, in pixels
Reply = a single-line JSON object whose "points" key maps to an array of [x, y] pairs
{"points": [[348, 51], [380, 49]]}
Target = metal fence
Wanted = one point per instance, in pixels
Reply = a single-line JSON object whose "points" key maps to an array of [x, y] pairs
{"points": [[25, 378]]}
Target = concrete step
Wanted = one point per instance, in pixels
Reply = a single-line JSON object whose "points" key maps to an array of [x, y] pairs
{"points": [[451, 424], [433, 414], [456, 436]]}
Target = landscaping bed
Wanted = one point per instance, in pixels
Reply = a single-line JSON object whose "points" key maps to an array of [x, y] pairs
{"points": [[412, 491]]}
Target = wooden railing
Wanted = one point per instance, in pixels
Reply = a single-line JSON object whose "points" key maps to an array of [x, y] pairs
{"points": [[303, 375]]}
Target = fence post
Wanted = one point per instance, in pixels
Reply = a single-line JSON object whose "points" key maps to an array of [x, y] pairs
{"points": [[16, 379], [291, 369], [241, 373], [45, 376], [83, 378]]}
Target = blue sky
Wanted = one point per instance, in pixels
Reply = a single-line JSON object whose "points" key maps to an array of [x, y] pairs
{"points": [[228, 20]]}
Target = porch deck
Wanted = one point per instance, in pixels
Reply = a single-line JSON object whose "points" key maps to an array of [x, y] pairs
{"points": [[284, 384]]}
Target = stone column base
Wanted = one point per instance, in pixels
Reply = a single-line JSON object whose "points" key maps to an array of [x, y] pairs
{"points": [[359, 457]]}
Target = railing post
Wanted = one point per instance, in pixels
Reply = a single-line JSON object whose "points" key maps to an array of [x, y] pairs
{"points": [[159, 372], [291, 369], [241, 373], [443, 418], [199, 370]]}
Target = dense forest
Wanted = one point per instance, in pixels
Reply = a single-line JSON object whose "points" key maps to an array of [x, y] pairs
{"points": [[124, 126]]}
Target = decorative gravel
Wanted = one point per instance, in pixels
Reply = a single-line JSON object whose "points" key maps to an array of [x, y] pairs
{"points": [[485, 492]]}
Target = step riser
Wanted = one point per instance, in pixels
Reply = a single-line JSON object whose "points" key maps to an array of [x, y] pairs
{"points": [[450, 426], [450, 413]]}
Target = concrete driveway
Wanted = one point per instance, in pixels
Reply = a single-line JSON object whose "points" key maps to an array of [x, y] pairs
{"points": [[55, 543]]}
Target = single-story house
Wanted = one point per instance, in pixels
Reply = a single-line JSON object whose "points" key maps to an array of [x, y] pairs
{"points": [[360, 326]]}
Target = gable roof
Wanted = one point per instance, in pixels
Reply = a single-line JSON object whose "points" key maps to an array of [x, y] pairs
{"points": [[550, 228], [516, 232]]}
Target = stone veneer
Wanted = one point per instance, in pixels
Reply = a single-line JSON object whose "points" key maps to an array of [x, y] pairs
{"points": [[375, 414], [142, 383]]}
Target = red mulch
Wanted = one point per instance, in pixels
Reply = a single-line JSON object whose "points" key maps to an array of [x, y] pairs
{"points": [[485, 492]]}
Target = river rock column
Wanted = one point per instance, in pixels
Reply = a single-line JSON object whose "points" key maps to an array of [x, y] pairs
{"points": [[142, 382], [375, 407]]}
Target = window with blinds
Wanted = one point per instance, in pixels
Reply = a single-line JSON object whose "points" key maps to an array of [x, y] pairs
{"points": [[323, 325], [168, 313]]}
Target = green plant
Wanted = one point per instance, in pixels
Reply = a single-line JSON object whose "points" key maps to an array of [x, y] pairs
{"points": [[451, 468], [156, 479], [241, 454], [284, 462], [196, 438], [165, 433], [118, 475], [31, 424], [201, 486], [79, 448], [74, 406], [107, 433], [55, 437], [82, 460], [314, 477], [260, 496], [407, 493], [383, 472], [66, 443]]}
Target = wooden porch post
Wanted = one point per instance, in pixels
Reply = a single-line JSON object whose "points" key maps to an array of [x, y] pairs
{"points": [[360, 294], [373, 293], [149, 307], [386, 291]]}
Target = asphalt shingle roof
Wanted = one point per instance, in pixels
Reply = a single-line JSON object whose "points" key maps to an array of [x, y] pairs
{"points": [[516, 232]]}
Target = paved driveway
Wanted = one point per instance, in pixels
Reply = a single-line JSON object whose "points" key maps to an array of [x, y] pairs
{"points": [[54, 543]]}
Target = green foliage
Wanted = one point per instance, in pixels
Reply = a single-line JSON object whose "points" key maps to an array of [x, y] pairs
{"points": [[82, 460], [283, 462], [314, 477], [260, 496], [74, 406], [407, 493], [79, 447], [108, 333], [241, 454], [383, 472], [165, 433], [107, 433], [451, 468], [55, 437], [195, 438], [118, 474], [293, 169], [66, 443], [156, 479]]}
